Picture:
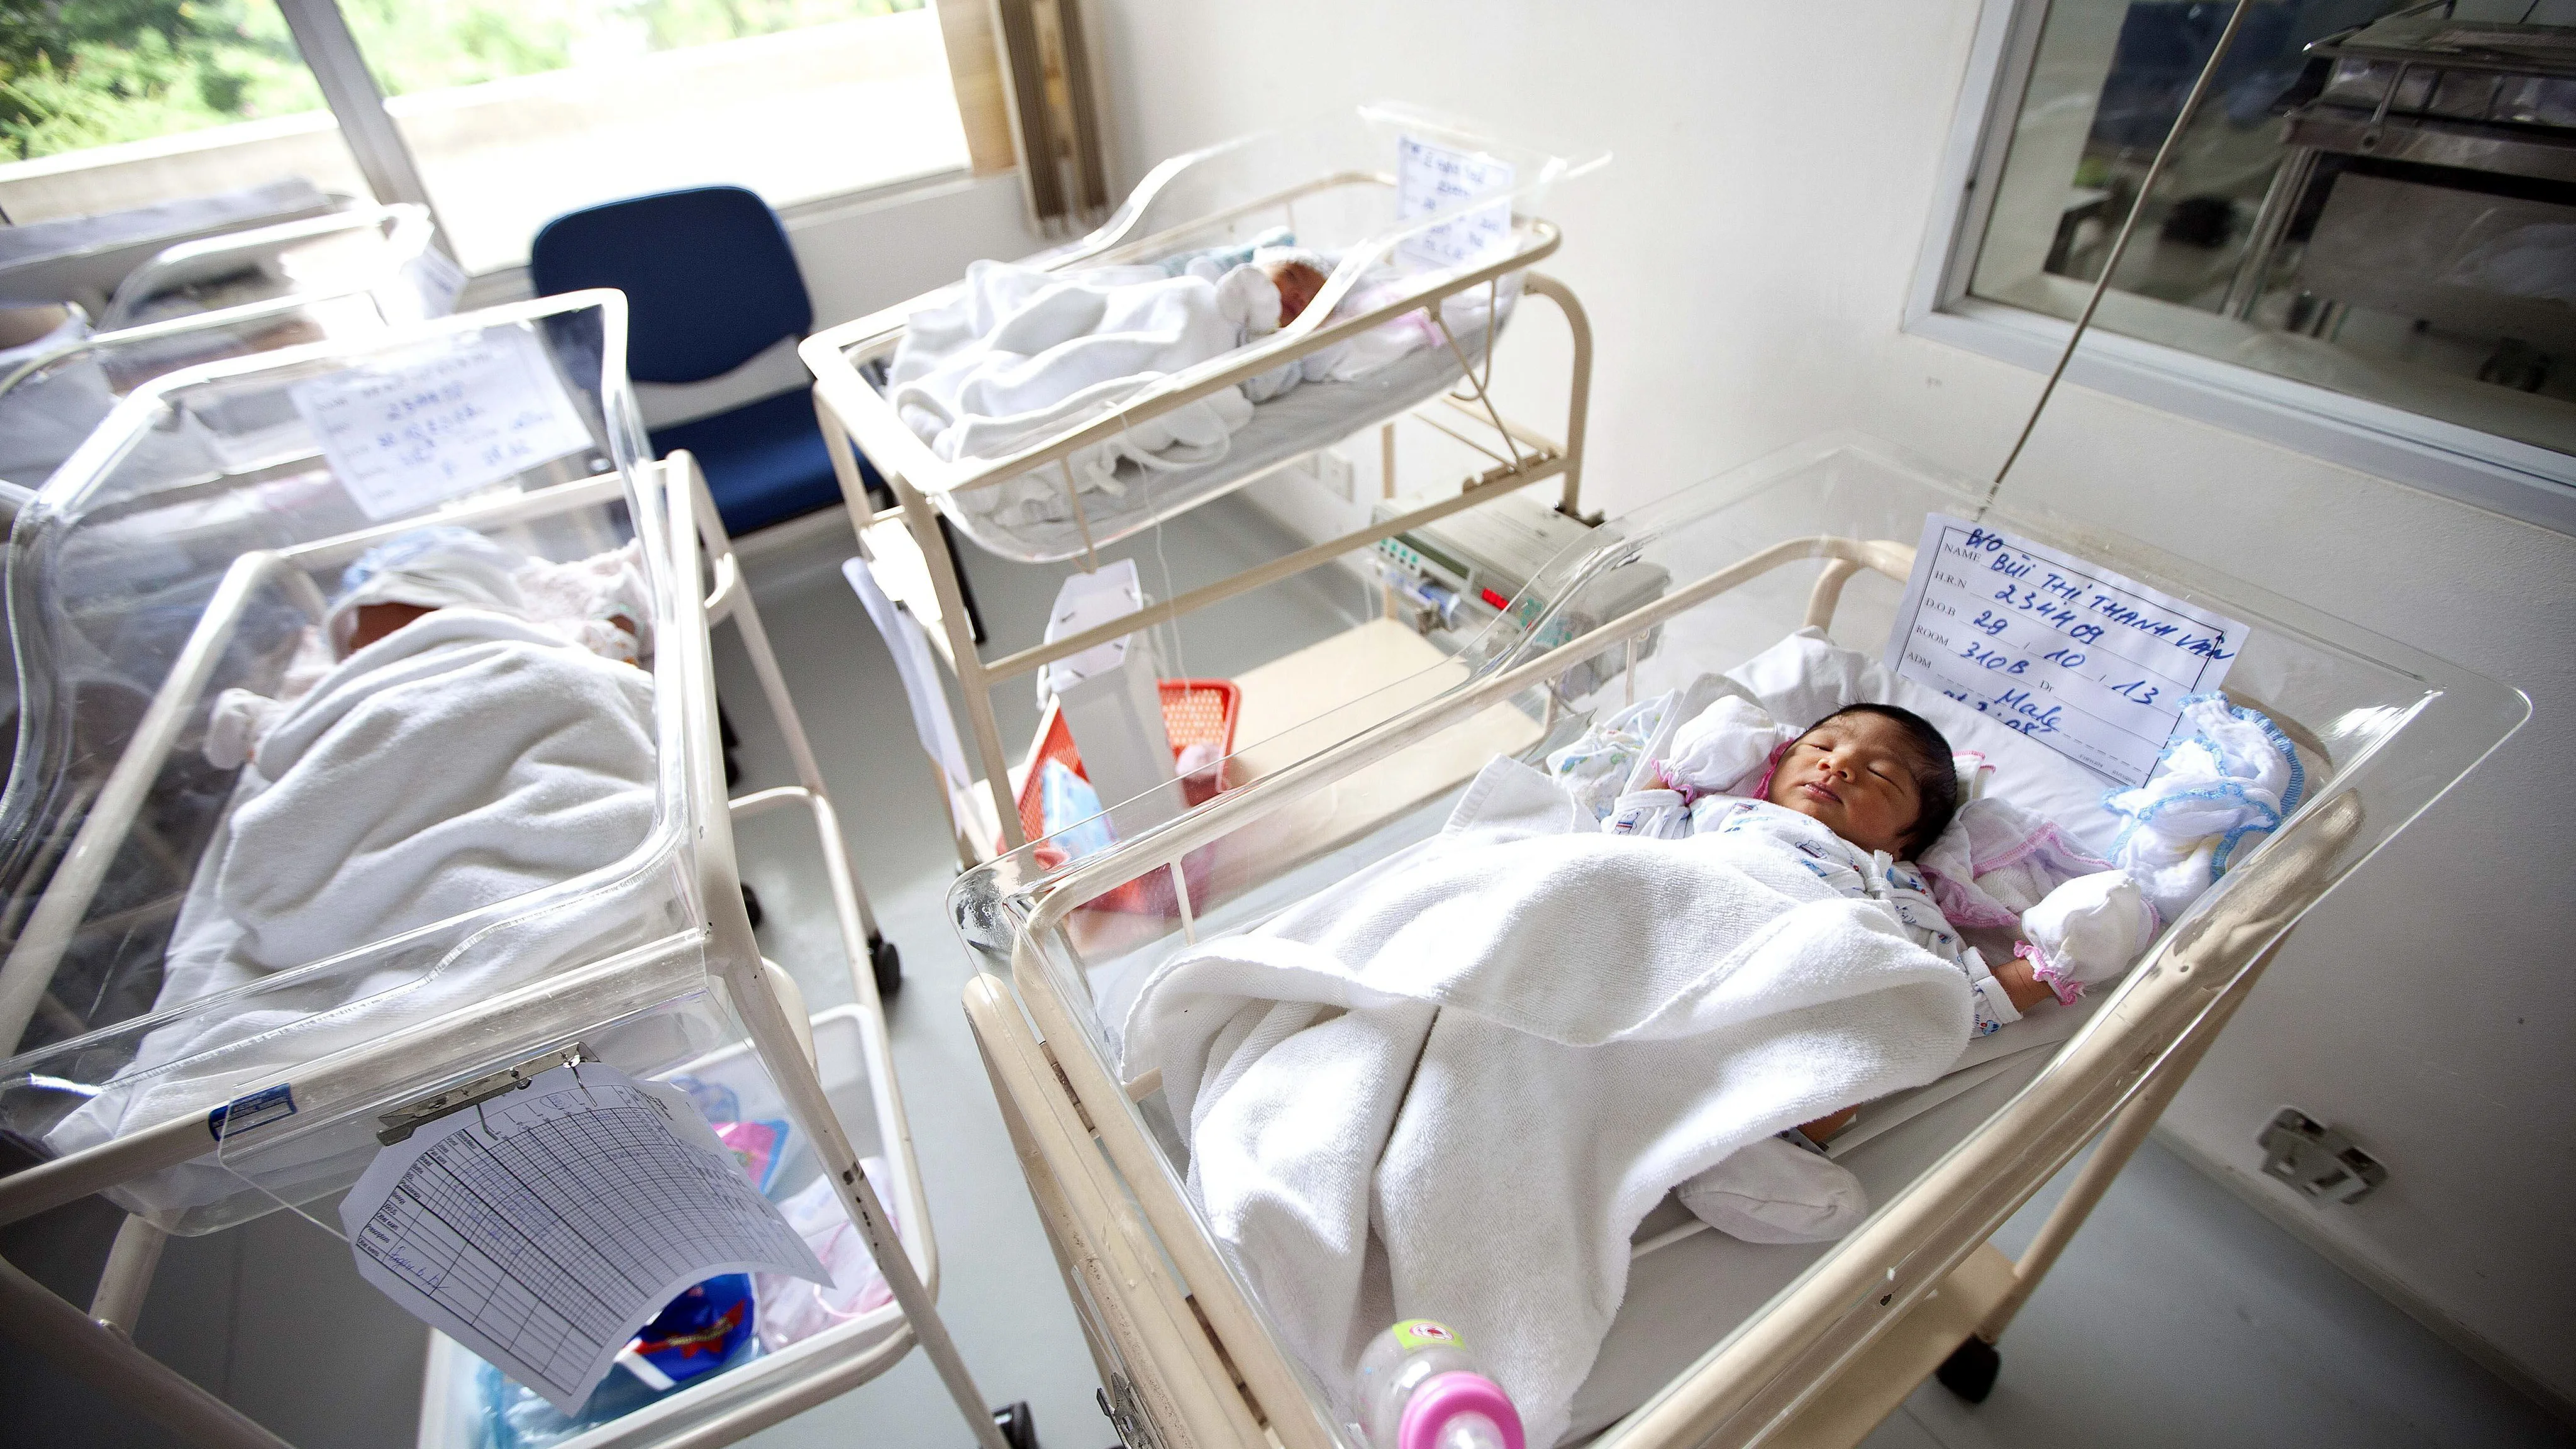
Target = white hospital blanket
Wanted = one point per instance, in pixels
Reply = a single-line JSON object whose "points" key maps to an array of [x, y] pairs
{"points": [[465, 759], [1454, 1088], [1020, 355]]}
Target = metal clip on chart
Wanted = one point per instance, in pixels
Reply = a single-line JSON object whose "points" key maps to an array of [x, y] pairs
{"points": [[411, 1116]]}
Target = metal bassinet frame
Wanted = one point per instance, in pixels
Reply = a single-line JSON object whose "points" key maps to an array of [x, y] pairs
{"points": [[1184, 1353]]}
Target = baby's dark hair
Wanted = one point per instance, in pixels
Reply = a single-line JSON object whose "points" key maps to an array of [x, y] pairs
{"points": [[1928, 755]]}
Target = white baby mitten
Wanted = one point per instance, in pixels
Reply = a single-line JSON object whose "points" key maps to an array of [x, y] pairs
{"points": [[1724, 745], [239, 720], [1248, 298], [1773, 1191], [2086, 932]]}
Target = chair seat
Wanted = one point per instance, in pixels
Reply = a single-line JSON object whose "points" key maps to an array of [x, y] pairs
{"points": [[765, 461]]}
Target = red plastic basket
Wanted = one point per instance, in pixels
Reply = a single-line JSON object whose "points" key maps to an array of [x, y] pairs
{"points": [[1195, 712]]}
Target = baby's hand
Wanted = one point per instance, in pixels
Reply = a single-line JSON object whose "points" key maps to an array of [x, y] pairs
{"points": [[2021, 984]]}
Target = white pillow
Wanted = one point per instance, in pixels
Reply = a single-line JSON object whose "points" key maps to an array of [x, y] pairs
{"points": [[1806, 677]]}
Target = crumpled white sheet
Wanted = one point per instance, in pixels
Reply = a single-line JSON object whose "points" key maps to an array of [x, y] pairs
{"points": [[1503, 1047], [1020, 355], [2229, 774]]}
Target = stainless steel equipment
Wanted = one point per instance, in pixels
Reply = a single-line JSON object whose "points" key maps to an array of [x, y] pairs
{"points": [[2437, 161]]}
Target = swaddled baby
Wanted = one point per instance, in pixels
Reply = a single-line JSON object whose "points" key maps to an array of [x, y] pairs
{"points": [[445, 741], [474, 728], [1881, 782], [1858, 798]]}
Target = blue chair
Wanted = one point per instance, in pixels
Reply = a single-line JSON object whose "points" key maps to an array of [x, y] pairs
{"points": [[709, 284]]}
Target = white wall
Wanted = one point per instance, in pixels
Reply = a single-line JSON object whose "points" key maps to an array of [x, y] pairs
{"points": [[1746, 259]]}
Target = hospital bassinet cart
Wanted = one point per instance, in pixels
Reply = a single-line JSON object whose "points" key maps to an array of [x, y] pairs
{"points": [[142, 582], [1352, 190], [345, 274], [1720, 1344]]}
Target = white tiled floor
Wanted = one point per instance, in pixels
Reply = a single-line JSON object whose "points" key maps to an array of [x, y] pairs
{"points": [[2180, 1316]]}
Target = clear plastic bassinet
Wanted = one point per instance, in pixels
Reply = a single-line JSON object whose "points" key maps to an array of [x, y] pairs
{"points": [[1417, 214], [1718, 1341], [190, 547], [345, 275]]}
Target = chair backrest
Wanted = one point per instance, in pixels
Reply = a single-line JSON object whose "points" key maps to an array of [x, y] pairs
{"points": [[708, 277]]}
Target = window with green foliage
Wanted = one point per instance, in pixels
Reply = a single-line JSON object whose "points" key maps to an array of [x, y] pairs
{"points": [[512, 110], [81, 73]]}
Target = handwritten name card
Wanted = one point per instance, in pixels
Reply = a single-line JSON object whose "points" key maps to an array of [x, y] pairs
{"points": [[2090, 663], [460, 417], [1431, 179]]}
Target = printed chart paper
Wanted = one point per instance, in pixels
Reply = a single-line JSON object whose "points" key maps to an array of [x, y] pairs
{"points": [[406, 438], [1431, 178], [2093, 665], [543, 1228]]}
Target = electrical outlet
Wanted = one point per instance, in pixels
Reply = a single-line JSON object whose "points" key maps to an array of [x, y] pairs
{"points": [[1330, 471], [1336, 474]]}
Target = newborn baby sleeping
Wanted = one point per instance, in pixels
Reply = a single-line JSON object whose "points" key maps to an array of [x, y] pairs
{"points": [[1856, 797], [1023, 353], [466, 726], [1883, 784], [598, 604]]}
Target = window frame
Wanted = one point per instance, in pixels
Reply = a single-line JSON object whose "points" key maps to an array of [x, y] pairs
{"points": [[2505, 475]]}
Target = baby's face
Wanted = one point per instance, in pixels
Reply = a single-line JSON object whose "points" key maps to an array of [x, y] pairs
{"points": [[1853, 775], [1297, 283], [375, 621]]}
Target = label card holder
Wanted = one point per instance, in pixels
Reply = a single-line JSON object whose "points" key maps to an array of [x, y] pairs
{"points": [[2084, 660], [405, 437], [1431, 178]]}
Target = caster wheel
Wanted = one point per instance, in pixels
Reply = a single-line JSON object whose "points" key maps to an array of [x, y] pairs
{"points": [[888, 965], [751, 907], [1019, 1428], [1970, 1370]]}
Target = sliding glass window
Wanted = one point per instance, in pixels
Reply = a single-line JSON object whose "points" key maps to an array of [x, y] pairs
{"points": [[2375, 199]]}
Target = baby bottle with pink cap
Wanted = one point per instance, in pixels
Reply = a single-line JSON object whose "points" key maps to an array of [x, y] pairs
{"points": [[1418, 1389]]}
